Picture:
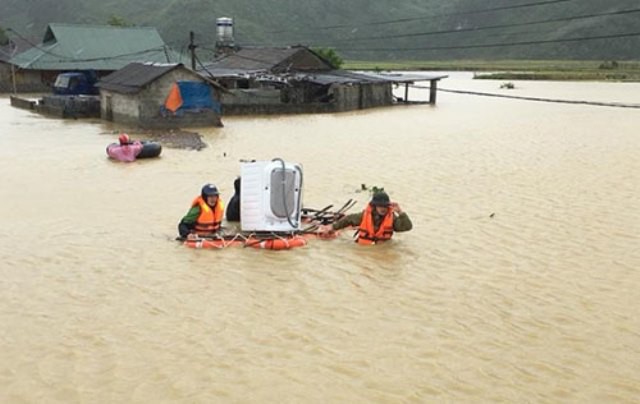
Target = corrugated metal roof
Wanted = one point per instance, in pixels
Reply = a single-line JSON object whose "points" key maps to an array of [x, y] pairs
{"points": [[269, 59], [133, 77], [352, 77], [229, 73], [257, 62], [98, 47], [339, 77], [401, 77], [253, 59]]}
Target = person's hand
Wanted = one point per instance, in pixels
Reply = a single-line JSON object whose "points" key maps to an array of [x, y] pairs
{"points": [[395, 207], [326, 231], [192, 236]]}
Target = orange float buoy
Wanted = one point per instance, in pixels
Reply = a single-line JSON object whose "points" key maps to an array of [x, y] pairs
{"points": [[275, 243], [280, 243], [212, 243]]}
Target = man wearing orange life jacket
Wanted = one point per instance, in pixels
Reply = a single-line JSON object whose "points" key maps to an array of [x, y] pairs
{"points": [[204, 216], [376, 223]]}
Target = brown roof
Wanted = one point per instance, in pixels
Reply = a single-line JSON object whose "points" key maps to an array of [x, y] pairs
{"points": [[135, 76], [270, 59]]}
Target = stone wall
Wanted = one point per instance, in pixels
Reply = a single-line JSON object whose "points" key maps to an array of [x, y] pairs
{"points": [[124, 107], [278, 109], [22, 103], [70, 106], [152, 98], [251, 96]]}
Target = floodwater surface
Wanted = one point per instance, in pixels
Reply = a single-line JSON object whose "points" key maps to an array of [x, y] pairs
{"points": [[520, 281]]}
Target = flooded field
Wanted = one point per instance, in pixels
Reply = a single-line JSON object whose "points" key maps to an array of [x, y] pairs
{"points": [[518, 283]]}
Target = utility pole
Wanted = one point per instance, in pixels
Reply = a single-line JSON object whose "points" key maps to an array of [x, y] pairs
{"points": [[192, 49], [14, 50], [13, 78]]}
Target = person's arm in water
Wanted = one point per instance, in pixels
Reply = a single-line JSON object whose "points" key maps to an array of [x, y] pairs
{"points": [[137, 147], [401, 221], [188, 222], [352, 220]]}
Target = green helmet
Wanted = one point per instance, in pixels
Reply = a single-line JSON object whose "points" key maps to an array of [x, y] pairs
{"points": [[380, 199]]}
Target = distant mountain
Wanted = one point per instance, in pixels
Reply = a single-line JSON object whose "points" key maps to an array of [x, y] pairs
{"points": [[369, 30]]}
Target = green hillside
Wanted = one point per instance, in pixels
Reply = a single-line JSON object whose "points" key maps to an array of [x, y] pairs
{"points": [[371, 30]]}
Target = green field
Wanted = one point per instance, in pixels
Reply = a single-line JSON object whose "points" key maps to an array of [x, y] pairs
{"points": [[517, 69]]}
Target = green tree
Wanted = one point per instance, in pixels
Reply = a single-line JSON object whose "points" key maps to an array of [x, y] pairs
{"points": [[331, 55], [117, 21]]}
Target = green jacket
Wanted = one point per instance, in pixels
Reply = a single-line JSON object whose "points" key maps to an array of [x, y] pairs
{"points": [[401, 222], [188, 222], [192, 215]]}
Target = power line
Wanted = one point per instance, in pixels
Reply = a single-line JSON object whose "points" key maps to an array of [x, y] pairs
{"points": [[492, 45], [400, 20], [238, 56], [34, 45], [489, 27], [62, 58], [123, 55]]}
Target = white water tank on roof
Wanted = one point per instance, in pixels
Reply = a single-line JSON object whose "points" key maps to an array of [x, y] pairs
{"points": [[271, 198], [224, 31]]}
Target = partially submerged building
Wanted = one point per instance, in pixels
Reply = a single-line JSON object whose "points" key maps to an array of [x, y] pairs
{"points": [[297, 79], [8, 82], [152, 95], [294, 79], [75, 47]]}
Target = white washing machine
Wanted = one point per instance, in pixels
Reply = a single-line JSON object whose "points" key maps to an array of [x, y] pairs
{"points": [[271, 196]]}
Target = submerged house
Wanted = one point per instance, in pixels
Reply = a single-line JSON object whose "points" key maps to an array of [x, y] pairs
{"points": [[152, 95], [7, 70], [292, 79], [99, 48], [297, 79]]}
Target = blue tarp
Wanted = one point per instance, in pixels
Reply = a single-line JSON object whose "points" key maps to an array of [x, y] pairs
{"points": [[193, 96]]}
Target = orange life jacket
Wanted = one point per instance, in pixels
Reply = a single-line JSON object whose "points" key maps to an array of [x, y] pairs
{"points": [[366, 232], [210, 219]]}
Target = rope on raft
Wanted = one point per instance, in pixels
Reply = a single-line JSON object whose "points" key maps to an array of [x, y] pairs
{"points": [[314, 217]]}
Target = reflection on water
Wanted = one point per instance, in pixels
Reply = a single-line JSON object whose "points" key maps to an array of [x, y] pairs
{"points": [[519, 281]]}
